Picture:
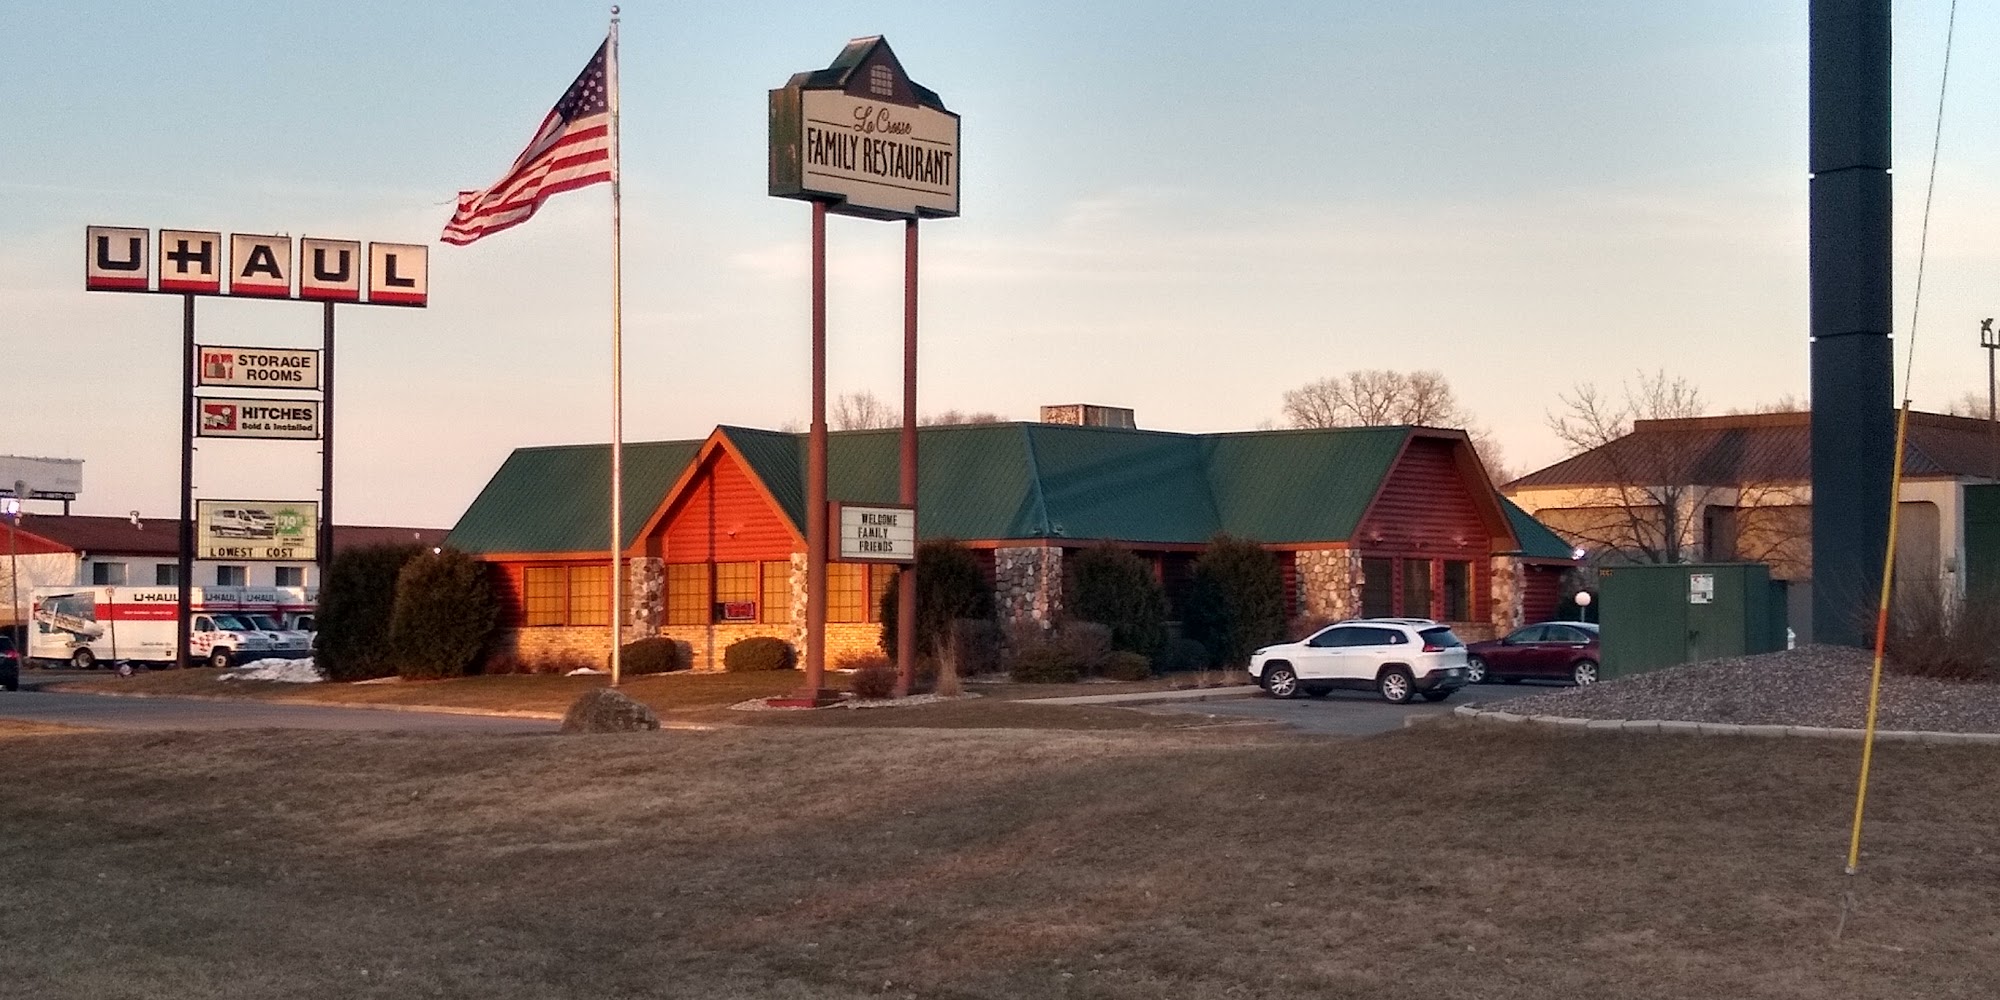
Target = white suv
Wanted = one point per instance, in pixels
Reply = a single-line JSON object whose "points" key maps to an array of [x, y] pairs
{"points": [[1399, 657]]}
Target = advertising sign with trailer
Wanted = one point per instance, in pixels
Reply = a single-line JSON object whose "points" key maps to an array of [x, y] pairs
{"points": [[257, 530]]}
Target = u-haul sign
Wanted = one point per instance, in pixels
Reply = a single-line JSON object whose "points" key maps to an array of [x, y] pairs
{"points": [[258, 368], [194, 262]]}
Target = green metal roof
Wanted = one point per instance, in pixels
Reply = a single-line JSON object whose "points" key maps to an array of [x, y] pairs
{"points": [[1537, 541], [556, 499], [990, 482]]}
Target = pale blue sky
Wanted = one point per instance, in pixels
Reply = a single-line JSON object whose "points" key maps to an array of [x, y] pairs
{"points": [[1182, 209]]}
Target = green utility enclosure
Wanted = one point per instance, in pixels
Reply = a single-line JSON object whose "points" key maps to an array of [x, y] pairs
{"points": [[1658, 616]]}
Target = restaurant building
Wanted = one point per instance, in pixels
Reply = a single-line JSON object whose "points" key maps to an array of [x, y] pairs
{"points": [[1363, 521]]}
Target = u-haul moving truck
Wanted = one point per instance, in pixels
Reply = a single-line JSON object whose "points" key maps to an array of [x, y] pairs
{"points": [[86, 625]]}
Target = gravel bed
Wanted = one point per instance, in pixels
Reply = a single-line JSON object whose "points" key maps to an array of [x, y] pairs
{"points": [[1810, 686]]}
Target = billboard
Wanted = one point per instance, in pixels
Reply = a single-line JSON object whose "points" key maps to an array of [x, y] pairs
{"points": [[258, 368], [41, 478], [285, 530], [861, 136], [296, 420], [249, 265]]}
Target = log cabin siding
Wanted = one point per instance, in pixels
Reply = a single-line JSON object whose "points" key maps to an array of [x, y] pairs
{"points": [[723, 517], [1426, 507]]}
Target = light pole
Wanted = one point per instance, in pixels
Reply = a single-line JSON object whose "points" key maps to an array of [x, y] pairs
{"points": [[12, 508], [1991, 341]]}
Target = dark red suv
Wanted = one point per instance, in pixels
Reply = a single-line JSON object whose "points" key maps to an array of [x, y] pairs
{"points": [[1556, 651]]}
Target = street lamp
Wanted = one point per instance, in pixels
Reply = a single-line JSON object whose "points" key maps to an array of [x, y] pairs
{"points": [[11, 507], [1990, 340]]}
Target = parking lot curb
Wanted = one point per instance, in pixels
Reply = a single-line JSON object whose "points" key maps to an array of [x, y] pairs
{"points": [[309, 703], [1684, 728]]}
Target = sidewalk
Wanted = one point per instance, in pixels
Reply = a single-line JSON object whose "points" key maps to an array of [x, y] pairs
{"points": [[1144, 697]]}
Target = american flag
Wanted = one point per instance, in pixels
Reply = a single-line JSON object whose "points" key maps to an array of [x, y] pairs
{"points": [[572, 149]]}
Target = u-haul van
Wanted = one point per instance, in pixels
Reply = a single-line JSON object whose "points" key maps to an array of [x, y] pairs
{"points": [[88, 625]]}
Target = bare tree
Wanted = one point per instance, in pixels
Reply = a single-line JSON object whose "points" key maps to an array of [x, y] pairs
{"points": [[1377, 397], [1787, 403], [961, 417], [1643, 511], [1970, 403], [856, 411]]}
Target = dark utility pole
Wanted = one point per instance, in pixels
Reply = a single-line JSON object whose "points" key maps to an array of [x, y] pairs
{"points": [[1853, 393]]}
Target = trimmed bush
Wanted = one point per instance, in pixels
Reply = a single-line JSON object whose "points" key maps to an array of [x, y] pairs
{"points": [[654, 655], [759, 653], [977, 642], [876, 680], [1087, 644], [950, 586], [355, 603], [1183, 653], [1044, 664], [1118, 589], [444, 616], [1125, 665], [1236, 600], [1058, 656]]}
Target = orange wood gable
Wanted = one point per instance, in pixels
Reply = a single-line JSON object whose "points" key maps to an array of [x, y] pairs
{"points": [[1435, 501], [719, 511]]}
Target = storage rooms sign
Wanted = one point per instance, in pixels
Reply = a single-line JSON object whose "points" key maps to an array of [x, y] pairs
{"points": [[259, 367]]}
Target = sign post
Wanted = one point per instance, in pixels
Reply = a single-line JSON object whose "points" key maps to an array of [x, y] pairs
{"points": [[190, 263], [860, 138]]}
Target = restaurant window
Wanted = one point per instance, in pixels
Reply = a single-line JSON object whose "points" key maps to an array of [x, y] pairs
{"points": [[1378, 587], [845, 590], [542, 595], [589, 595], [881, 577], [736, 583], [1417, 588], [687, 594], [777, 604], [1458, 591]]}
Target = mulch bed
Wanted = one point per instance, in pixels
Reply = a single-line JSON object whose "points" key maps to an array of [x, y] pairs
{"points": [[1811, 686]]}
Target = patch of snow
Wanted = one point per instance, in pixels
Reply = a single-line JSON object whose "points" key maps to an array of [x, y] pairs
{"points": [[283, 671], [584, 671]]}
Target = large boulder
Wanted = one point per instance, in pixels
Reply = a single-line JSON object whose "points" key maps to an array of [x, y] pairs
{"points": [[606, 711]]}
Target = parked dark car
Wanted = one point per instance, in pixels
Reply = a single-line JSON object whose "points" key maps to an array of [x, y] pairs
{"points": [[10, 665], [1556, 651]]}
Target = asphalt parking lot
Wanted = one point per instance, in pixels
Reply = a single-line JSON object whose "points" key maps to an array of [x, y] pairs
{"points": [[1343, 713]]}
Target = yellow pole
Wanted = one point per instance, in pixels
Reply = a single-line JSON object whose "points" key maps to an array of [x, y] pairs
{"points": [[1881, 635]]}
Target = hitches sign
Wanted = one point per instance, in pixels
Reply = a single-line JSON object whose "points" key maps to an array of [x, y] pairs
{"points": [[190, 262], [258, 368], [256, 529], [875, 533], [861, 136], [258, 418]]}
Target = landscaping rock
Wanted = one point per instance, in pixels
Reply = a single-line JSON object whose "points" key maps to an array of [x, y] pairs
{"points": [[606, 711]]}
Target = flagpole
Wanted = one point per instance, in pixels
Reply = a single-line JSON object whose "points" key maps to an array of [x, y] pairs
{"points": [[617, 374]]}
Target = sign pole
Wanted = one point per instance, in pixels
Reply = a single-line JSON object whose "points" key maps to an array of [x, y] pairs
{"points": [[186, 566], [326, 445], [906, 578], [816, 543]]}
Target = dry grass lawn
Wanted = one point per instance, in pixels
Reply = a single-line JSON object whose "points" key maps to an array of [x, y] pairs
{"points": [[685, 696], [1437, 862]]}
